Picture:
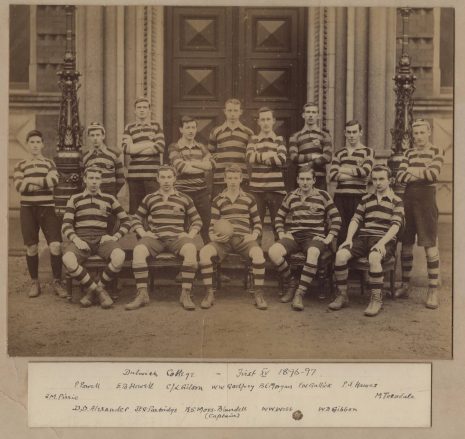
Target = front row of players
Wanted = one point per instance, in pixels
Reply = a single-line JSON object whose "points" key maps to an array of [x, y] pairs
{"points": [[307, 221]]}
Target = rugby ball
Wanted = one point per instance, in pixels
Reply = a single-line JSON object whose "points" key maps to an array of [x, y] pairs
{"points": [[223, 227]]}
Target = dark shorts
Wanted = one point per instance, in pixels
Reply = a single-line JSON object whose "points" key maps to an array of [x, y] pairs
{"points": [[171, 245], [235, 245], [34, 218], [361, 246], [421, 216], [301, 243], [103, 250]]}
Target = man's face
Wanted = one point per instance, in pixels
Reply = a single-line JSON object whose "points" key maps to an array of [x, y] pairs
{"points": [[353, 134], [233, 180], [142, 110], [380, 180], [166, 178], [311, 115], [421, 135], [306, 180], [189, 130], [232, 112], [93, 180], [96, 138], [266, 121], [35, 145]]}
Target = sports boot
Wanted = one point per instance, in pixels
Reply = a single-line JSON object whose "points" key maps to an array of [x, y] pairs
{"points": [[341, 301], [298, 303], [432, 301], [208, 300], [59, 290], [186, 300], [402, 292], [34, 291], [103, 297], [88, 299], [259, 299], [376, 303], [290, 290], [141, 299]]}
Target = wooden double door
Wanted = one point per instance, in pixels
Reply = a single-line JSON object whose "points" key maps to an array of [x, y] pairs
{"points": [[257, 55]]}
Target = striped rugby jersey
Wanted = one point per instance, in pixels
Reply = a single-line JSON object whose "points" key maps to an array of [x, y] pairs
{"points": [[375, 217], [229, 145], [180, 154], [315, 212], [302, 149], [86, 216], [429, 159], [361, 159], [166, 217], [34, 169], [111, 165], [143, 166], [242, 213], [264, 177]]}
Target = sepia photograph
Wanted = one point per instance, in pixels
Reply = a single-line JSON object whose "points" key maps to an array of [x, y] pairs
{"points": [[230, 182]]}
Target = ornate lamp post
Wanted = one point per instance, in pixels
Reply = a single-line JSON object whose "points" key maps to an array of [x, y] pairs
{"points": [[404, 87], [69, 143]]}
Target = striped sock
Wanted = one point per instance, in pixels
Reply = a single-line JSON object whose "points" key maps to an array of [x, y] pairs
{"points": [[141, 274], [188, 276], [284, 270], [306, 278], [406, 260], [432, 265], [83, 277], [375, 280], [109, 274], [206, 274], [341, 273], [258, 271]]}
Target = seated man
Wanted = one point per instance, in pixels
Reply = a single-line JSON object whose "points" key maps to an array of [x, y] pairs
{"points": [[309, 212], [165, 211], [84, 225], [240, 209], [377, 219]]}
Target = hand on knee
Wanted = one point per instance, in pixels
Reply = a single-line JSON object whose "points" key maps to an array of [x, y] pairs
{"points": [[55, 248], [342, 256], [375, 258], [32, 250]]}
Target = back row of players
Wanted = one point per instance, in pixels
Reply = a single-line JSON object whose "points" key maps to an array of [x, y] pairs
{"points": [[163, 199]]}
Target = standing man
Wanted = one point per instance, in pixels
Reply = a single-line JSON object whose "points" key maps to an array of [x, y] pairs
{"points": [[85, 226], [228, 144], [240, 209], [419, 171], [266, 152], [166, 212], [350, 168], [312, 222], [191, 159], [101, 156], [34, 178], [312, 145], [372, 233], [143, 147]]}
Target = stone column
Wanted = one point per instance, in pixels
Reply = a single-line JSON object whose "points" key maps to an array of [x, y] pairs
{"points": [[340, 78], [129, 62], [390, 100], [157, 62], [350, 82]]}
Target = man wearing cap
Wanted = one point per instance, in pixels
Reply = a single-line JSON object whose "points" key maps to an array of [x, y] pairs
{"points": [[34, 178], [143, 147], [419, 171]]}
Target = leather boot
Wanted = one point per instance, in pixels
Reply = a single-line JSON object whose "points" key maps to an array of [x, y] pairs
{"points": [[402, 292], [34, 291], [298, 303], [341, 301], [186, 300], [103, 297], [376, 303], [59, 290], [141, 299], [88, 299], [290, 290], [432, 301], [208, 300], [260, 300]]}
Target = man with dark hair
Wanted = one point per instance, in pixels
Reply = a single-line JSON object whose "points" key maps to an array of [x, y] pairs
{"points": [[312, 145], [267, 154], [350, 168], [166, 213], [34, 178], [419, 171], [312, 222], [143, 147], [85, 228], [192, 160], [372, 232]]}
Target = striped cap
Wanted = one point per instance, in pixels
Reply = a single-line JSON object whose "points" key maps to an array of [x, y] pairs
{"points": [[95, 126], [419, 122], [141, 99]]}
